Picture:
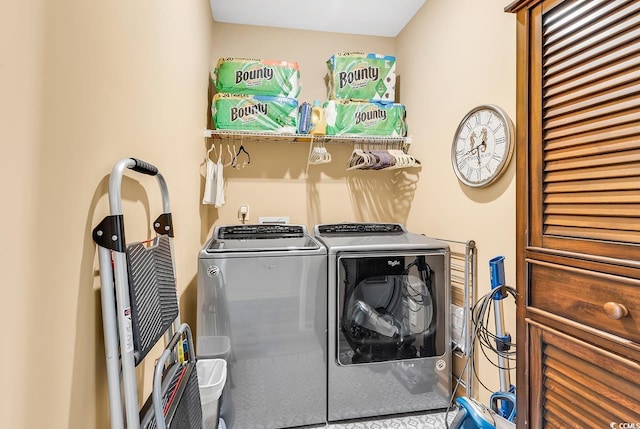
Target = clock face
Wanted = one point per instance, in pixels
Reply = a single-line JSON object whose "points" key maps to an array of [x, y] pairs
{"points": [[482, 146]]}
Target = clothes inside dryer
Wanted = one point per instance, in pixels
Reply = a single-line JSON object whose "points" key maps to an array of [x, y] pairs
{"points": [[387, 309]]}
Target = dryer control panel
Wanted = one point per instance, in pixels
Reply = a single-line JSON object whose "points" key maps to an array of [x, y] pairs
{"points": [[359, 228]]}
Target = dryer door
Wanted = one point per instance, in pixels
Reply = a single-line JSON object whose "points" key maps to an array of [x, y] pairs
{"points": [[390, 307]]}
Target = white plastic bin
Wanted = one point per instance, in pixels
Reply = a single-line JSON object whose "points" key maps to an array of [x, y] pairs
{"points": [[212, 375], [213, 347]]}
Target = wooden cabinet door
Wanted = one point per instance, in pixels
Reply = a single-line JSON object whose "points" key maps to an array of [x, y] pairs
{"points": [[584, 128], [578, 211], [578, 385]]}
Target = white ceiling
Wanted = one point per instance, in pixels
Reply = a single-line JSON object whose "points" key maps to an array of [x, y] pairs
{"points": [[368, 17]]}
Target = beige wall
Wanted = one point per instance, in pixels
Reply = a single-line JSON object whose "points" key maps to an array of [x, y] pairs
{"points": [[21, 45], [89, 83], [456, 55]]}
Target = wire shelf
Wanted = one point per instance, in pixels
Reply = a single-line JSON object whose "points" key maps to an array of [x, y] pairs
{"points": [[234, 135]]}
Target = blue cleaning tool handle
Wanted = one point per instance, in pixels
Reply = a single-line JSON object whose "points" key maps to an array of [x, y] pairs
{"points": [[496, 267], [496, 270], [504, 404]]}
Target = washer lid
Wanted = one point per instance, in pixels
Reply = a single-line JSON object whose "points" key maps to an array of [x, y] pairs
{"points": [[262, 237]]}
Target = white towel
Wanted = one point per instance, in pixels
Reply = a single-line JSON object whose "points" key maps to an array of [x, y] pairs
{"points": [[210, 185], [219, 183]]}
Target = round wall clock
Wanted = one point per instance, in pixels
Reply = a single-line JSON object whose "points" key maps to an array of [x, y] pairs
{"points": [[482, 146]]}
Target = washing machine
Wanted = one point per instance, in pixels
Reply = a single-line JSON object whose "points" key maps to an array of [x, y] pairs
{"points": [[262, 305], [388, 312]]}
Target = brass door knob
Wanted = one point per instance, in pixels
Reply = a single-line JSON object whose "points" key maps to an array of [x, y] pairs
{"points": [[615, 311]]}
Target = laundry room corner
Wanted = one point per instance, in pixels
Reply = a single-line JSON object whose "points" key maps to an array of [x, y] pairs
{"points": [[474, 67], [92, 83]]}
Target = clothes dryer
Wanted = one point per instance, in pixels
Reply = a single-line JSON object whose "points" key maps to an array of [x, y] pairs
{"points": [[262, 305], [388, 313]]}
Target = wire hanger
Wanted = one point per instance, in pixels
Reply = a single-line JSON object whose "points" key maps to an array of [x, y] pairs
{"points": [[231, 156], [235, 158], [212, 149]]}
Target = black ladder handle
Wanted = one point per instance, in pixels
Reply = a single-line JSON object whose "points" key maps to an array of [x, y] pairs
{"points": [[144, 167], [137, 165]]}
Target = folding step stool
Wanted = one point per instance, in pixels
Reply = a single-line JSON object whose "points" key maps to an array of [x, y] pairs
{"points": [[139, 307]]}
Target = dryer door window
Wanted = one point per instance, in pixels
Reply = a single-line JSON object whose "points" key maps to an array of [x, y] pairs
{"points": [[389, 307]]}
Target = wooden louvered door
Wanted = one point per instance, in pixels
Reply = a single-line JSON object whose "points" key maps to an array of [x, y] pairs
{"points": [[582, 386], [589, 146], [578, 212]]}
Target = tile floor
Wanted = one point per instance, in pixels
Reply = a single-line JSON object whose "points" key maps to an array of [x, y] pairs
{"points": [[433, 420], [421, 421]]}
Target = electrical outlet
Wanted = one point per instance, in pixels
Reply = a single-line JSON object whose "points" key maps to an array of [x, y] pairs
{"points": [[243, 213]]}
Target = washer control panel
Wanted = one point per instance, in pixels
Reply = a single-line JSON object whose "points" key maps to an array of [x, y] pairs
{"points": [[248, 232]]}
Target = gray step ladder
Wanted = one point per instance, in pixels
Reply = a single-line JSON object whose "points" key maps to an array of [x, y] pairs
{"points": [[139, 309]]}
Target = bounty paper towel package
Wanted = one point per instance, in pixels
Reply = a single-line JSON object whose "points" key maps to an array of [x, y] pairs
{"points": [[260, 113], [362, 77], [257, 77], [365, 118]]}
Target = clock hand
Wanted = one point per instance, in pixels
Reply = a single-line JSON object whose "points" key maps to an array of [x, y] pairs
{"points": [[483, 135], [474, 149]]}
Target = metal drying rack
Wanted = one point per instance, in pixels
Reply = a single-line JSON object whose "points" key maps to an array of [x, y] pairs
{"points": [[463, 275]]}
